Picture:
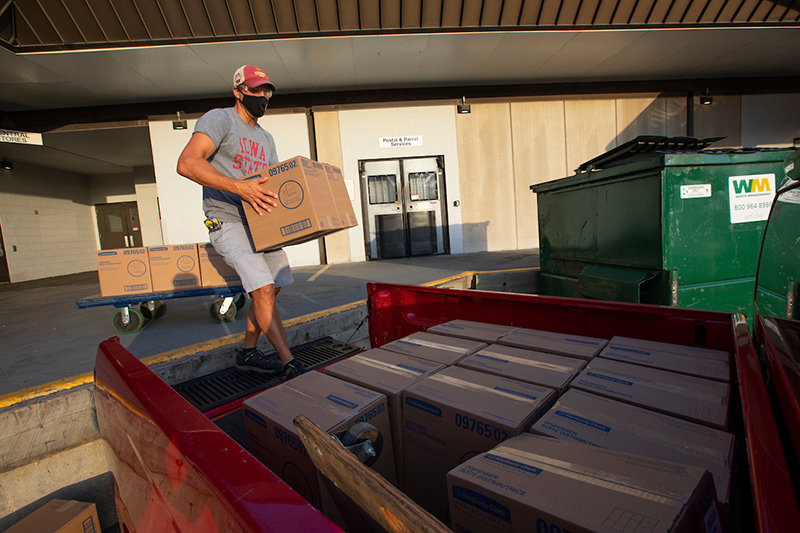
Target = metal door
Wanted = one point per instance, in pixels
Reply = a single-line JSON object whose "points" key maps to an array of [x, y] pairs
{"points": [[119, 226], [404, 208]]}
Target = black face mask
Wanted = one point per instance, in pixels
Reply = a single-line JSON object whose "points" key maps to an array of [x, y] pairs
{"points": [[255, 105]]}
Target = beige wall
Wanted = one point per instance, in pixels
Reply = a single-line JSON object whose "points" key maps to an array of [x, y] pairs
{"points": [[54, 232], [539, 155], [329, 150], [488, 194], [506, 148], [723, 118]]}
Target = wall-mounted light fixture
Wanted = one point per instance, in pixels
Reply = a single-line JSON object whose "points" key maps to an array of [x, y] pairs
{"points": [[5, 164], [706, 100], [463, 108], [179, 124]]}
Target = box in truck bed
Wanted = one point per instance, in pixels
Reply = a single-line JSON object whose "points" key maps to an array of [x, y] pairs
{"points": [[681, 363], [596, 421], [548, 370], [476, 331], [334, 405], [388, 373], [455, 414], [703, 401], [436, 348], [530, 483], [556, 343]]}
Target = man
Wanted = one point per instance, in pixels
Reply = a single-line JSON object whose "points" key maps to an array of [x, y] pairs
{"points": [[228, 144]]}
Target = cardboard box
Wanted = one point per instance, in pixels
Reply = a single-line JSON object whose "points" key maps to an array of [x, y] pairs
{"points": [[214, 271], [455, 414], [613, 425], [388, 373], [124, 271], [681, 363], [476, 331], [531, 483], [555, 343], [331, 403], [340, 196], [60, 516], [436, 348], [305, 207], [174, 267], [547, 370], [703, 401], [693, 351]]}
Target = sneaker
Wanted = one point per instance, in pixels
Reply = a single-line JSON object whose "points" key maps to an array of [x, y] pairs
{"points": [[257, 361], [294, 368]]}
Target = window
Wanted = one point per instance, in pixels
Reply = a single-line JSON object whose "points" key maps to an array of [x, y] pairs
{"points": [[382, 189], [422, 186]]}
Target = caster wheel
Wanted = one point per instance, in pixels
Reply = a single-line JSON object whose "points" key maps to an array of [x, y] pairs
{"points": [[240, 299], [361, 432], [216, 316], [159, 310], [134, 324]]}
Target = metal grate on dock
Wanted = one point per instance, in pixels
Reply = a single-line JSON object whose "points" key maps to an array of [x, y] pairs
{"points": [[219, 388]]}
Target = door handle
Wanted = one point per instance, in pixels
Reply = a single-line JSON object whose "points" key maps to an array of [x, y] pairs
{"points": [[126, 242], [133, 242]]}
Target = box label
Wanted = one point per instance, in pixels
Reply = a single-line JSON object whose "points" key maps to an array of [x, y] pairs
{"points": [[137, 268], [483, 508], [423, 408], [610, 378], [591, 424], [515, 465], [291, 193], [296, 227], [341, 401]]}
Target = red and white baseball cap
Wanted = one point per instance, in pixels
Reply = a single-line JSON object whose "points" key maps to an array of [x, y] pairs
{"points": [[252, 77]]}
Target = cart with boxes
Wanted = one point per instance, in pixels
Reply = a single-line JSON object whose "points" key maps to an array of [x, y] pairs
{"points": [[312, 202]]}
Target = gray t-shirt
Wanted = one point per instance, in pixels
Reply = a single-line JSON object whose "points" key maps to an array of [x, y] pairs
{"points": [[241, 150]]}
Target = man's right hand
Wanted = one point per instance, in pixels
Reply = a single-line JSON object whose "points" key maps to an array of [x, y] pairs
{"points": [[253, 193]]}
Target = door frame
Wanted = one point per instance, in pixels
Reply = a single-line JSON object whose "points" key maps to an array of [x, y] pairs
{"points": [[445, 222]]}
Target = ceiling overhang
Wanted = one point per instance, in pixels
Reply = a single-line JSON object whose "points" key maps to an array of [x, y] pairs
{"points": [[52, 25]]}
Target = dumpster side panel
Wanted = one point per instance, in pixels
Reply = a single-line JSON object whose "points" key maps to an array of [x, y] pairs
{"points": [[715, 257]]}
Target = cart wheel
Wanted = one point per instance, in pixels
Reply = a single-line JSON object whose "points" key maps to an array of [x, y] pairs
{"points": [[160, 309], [135, 321], [360, 433], [240, 299], [216, 316]]}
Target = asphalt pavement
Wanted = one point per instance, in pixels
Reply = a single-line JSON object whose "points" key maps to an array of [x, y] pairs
{"points": [[44, 337]]}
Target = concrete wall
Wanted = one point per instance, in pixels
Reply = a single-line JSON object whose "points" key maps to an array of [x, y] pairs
{"points": [[505, 148], [770, 119], [181, 200], [48, 216]]}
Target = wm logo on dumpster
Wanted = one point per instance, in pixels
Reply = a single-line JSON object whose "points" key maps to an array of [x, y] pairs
{"points": [[751, 185], [750, 197]]}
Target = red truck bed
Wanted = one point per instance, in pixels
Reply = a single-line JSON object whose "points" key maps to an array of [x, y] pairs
{"points": [[173, 465]]}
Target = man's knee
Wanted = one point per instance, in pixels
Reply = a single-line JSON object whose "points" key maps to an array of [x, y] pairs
{"points": [[265, 293]]}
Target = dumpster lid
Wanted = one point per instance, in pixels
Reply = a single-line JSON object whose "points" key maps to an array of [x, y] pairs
{"points": [[645, 145]]}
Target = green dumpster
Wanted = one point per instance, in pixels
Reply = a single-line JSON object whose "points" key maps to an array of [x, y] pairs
{"points": [[659, 221]]}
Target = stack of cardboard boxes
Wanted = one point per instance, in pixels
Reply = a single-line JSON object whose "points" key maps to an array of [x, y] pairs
{"points": [[497, 428], [312, 202]]}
